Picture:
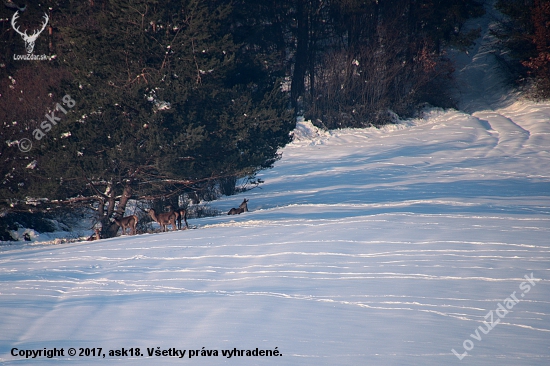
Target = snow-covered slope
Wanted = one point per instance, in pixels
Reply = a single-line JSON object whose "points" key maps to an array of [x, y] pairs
{"points": [[364, 247]]}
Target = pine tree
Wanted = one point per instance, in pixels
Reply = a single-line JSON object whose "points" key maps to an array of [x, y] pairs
{"points": [[164, 101]]}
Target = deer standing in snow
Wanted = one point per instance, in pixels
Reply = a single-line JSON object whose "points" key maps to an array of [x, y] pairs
{"points": [[164, 218], [243, 207], [181, 215], [128, 222]]}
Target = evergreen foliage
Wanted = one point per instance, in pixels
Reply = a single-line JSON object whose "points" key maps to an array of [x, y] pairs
{"points": [[164, 102]]}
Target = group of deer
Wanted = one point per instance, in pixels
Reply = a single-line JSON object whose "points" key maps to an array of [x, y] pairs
{"points": [[169, 218], [163, 219]]}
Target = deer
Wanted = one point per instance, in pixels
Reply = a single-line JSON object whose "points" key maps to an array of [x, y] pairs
{"points": [[243, 207], [181, 214], [128, 222], [95, 236], [164, 219], [29, 40]]}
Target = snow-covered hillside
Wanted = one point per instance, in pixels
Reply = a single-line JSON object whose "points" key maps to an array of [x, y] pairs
{"points": [[423, 243]]}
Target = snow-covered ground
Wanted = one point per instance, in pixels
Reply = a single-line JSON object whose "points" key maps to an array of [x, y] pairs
{"points": [[364, 247]]}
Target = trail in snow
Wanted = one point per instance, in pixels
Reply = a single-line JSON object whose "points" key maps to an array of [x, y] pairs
{"points": [[483, 80]]}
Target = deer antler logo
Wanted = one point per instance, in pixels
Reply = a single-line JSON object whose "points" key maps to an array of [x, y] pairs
{"points": [[29, 40]]}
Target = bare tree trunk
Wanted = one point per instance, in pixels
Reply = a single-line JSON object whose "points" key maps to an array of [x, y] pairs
{"points": [[126, 195], [111, 228], [106, 224]]}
